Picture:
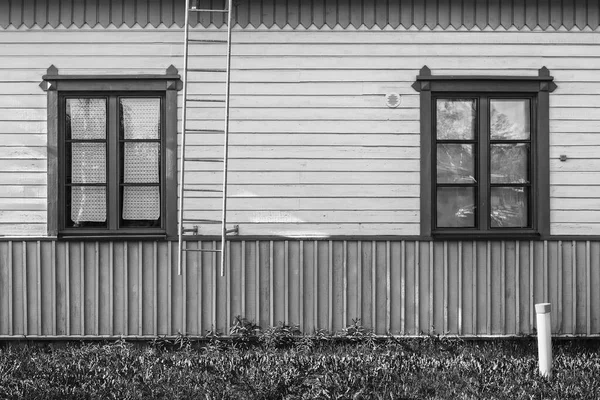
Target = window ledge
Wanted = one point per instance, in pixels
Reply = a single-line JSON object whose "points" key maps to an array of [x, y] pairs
{"points": [[490, 235], [132, 237]]}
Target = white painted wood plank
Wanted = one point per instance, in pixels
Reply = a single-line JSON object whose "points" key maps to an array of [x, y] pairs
{"points": [[22, 165], [568, 192], [173, 36], [303, 139], [18, 216], [285, 153], [316, 203], [575, 216], [321, 191], [319, 230], [303, 216], [282, 49], [306, 165], [575, 164], [382, 127], [579, 228], [576, 204], [22, 204], [23, 178], [246, 178], [23, 229], [22, 191], [22, 152], [310, 114]]}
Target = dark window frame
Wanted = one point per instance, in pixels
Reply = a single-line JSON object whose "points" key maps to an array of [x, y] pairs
{"points": [[60, 87], [538, 89]]}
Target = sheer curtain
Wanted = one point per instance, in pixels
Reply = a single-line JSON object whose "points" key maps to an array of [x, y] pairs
{"points": [[88, 160], [141, 160]]}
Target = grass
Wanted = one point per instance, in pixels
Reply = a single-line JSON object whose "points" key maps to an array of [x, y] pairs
{"points": [[280, 364]]}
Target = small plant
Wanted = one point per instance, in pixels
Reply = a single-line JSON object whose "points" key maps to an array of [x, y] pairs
{"points": [[282, 335], [356, 331]]}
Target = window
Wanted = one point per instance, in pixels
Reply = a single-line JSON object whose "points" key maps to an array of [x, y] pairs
{"points": [[484, 155], [112, 154]]}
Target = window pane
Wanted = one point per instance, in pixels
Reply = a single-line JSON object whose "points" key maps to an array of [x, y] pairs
{"points": [[455, 207], [86, 118], [509, 207], [88, 204], [88, 163], [509, 119], [141, 203], [509, 162], [140, 118], [455, 163], [141, 162], [456, 119]]}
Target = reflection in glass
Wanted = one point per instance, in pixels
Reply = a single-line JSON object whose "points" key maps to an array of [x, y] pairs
{"points": [[455, 163], [456, 119], [509, 207], [509, 162], [455, 207], [509, 119]]}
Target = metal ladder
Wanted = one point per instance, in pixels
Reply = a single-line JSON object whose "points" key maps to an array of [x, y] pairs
{"points": [[182, 189]]}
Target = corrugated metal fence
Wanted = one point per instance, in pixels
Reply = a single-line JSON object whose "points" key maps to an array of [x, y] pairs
{"points": [[105, 288]]}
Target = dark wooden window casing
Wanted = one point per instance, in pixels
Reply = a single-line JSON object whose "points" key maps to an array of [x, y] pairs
{"points": [[112, 87], [535, 88]]}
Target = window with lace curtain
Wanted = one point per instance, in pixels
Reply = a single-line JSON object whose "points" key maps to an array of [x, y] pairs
{"points": [[115, 146]]}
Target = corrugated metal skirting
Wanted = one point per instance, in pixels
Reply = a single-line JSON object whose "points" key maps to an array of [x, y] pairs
{"points": [[105, 288]]}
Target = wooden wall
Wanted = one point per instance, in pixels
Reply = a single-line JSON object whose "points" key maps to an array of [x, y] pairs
{"points": [[50, 288], [314, 150]]}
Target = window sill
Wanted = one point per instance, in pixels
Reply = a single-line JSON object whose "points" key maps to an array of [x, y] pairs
{"points": [[488, 235], [88, 235]]}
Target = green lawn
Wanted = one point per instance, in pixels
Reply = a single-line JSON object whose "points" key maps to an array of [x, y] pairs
{"points": [[286, 367]]}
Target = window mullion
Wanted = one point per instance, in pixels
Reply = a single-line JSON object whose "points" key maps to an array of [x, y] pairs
{"points": [[483, 164], [113, 164]]}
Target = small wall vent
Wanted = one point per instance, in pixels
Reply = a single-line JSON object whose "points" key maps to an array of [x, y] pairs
{"points": [[392, 100]]}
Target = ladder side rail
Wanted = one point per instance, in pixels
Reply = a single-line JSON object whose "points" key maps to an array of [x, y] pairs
{"points": [[182, 145], [226, 139]]}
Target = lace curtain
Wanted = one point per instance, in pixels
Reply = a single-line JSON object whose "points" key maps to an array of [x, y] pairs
{"points": [[88, 160], [141, 160]]}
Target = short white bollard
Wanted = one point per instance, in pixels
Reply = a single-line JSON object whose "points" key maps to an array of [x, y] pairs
{"points": [[544, 340]]}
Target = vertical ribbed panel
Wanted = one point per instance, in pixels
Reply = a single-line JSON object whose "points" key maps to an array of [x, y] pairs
{"points": [[380, 13], [402, 287]]}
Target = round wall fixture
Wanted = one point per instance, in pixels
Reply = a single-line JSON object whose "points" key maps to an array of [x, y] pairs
{"points": [[392, 100]]}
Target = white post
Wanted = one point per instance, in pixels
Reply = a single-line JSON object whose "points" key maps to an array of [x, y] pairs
{"points": [[544, 340]]}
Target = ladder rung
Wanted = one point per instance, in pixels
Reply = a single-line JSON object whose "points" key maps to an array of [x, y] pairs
{"points": [[207, 40], [207, 100], [203, 250], [205, 130], [206, 221], [207, 70], [203, 190], [204, 159], [207, 10]]}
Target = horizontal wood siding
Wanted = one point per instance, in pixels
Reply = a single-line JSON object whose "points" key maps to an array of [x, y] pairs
{"points": [[314, 150], [279, 13], [469, 288]]}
